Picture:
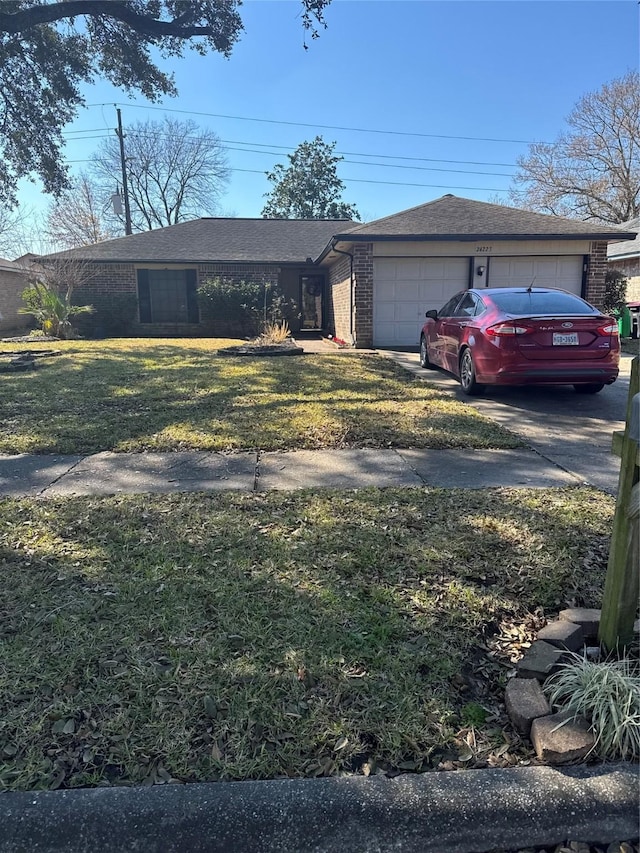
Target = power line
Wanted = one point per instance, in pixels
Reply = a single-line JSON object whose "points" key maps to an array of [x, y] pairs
{"points": [[342, 153], [293, 148], [323, 126], [366, 181], [134, 133]]}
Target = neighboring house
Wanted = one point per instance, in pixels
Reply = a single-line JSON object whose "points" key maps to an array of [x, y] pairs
{"points": [[625, 256], [369, 284], [13, 281]]}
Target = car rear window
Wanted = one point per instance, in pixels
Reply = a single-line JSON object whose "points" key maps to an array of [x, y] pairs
{"points": [[547, 302]]}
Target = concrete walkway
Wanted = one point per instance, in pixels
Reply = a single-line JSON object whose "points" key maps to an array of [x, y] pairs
{"points": [[114, 473]]}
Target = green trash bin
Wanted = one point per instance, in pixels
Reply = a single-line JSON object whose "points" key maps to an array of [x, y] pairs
{"points": [[624, 322]]}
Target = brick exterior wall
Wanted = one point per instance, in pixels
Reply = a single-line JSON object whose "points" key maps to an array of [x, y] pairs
{"points": [[363, 275], [113, 290], [12, 283], [239, 272], [339, 299], [594, 291], [631, 269]]}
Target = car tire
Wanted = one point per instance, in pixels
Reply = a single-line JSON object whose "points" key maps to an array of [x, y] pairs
{"points": [[424, 354], [589, 388], [467, 370]]}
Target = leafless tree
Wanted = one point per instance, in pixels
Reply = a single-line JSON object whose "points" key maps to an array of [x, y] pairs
{"points": [[175, 169], [592, 171], [12, 227], [79, 217]]}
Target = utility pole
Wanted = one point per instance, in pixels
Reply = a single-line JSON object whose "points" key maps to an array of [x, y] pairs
{"points": [[125, 186]]}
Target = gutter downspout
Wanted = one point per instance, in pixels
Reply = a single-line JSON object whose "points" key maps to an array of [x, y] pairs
{"points": [[351, 289]]}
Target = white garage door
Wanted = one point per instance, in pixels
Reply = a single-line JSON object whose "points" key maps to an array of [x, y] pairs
{"points": [[564, 272], [404, 288]]}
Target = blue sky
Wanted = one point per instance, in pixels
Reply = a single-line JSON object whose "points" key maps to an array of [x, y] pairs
{"points": [[424, 72]]}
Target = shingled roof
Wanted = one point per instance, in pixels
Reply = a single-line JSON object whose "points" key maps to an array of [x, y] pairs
{"points": [[292, 241], [277, 241], [453, 218], [10, 266], [626, 248]]}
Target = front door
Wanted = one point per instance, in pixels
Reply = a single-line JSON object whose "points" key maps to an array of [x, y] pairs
{"points": [[311, 299]]}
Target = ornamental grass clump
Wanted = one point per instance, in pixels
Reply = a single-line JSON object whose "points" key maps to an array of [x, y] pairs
{"points": [[607, 694], [276, 332]]}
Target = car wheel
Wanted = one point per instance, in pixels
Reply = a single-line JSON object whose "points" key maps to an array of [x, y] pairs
{"points": [[424, 354], [589, 388], [468, 375]]}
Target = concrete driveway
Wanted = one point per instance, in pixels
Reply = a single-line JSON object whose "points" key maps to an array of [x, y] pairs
{"points": [[572, 430]]}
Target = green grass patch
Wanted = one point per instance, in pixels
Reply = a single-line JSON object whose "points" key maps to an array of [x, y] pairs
{"points": [[204, 637], [137, 395]]}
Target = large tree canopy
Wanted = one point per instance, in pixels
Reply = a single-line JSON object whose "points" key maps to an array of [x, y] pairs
{"points": [[592, 171], [48, 49], [309, 188]]}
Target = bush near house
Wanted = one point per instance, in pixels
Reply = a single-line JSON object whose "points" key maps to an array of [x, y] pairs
{"points": [[615, 292], [230, 308], [241, 308], [114, 316]]}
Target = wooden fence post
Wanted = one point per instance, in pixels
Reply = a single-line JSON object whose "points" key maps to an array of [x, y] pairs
{"points": [[622, 584]]}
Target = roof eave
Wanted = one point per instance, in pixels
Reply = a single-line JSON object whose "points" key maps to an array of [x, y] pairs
{"points": [[189, 261], [470, 238]]}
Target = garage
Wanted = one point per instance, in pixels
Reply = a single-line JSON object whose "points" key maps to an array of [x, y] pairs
{"points": [[564, 272], [404, 288], [383, 275]]}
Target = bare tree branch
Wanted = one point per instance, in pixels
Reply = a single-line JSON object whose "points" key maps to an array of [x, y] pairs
{"points": [[593, 170], [79, 217], [176, 171]]}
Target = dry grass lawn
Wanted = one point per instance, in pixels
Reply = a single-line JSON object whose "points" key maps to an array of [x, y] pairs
{"points": [[161, 395], [203, 637]]}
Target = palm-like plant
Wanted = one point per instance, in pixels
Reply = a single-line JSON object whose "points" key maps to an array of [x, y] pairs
{"points": [[49, 297]]}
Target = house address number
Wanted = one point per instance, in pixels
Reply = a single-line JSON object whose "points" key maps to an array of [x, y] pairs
{"points": [[483, 250]]}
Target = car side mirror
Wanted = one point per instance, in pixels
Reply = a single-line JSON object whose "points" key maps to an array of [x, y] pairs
{"points": [[431, 315]]}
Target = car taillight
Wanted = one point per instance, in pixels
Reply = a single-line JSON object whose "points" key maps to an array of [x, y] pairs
{"points": [[607, 330], [507, 330]]}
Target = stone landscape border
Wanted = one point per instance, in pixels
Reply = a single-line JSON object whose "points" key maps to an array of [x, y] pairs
{"points": [[558, 738], [267, 350]]}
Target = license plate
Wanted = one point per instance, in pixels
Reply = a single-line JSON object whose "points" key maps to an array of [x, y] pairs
{"points": [[570, 339]]}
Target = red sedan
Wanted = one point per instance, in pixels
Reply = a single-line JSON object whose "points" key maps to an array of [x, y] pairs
{"points": [[522, 336]]}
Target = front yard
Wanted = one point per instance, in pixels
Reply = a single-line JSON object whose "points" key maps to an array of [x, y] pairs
{"points": [[141, 394], [203, 637]]}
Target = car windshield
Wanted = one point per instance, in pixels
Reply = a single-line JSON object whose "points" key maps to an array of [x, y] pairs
{"points": [[545, 302]]}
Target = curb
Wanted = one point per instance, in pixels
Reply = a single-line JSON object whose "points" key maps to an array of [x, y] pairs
{"points": [[464, 812]]}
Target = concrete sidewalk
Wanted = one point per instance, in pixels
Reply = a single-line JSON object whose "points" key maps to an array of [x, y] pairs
{"points": [[114, 473]]}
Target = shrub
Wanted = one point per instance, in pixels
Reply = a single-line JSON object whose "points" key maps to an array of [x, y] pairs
{"points": [[241, 309], [114, 316], [608, 695], [230, 308], [615, 292]]}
